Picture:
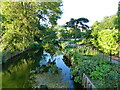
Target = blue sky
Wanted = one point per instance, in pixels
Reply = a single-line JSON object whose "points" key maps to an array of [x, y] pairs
{"points": [[94, 10]]}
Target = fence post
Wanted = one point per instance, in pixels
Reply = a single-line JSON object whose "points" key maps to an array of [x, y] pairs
{"points": [[110, 55], [87, 83], [119, 27], [119, 51], [103, 54]]}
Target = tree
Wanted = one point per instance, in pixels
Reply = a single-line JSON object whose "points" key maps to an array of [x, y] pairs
{"points": [[77, 23], [107, 41], [24, 22], [118, 14], [102, 35], [49, 12], [20, 25]]}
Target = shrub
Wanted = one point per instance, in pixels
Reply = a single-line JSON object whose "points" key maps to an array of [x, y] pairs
{"points": [[107, 40], [112, 79], [100, 72], [86, 67]]}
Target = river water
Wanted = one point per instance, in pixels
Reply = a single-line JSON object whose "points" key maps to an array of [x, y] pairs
{"points": [[16, 75], [64, 79]]}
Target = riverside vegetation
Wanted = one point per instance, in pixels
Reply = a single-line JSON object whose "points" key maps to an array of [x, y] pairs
{"points": [[29, 28]]}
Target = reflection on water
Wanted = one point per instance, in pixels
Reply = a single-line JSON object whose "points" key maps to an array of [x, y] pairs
{"points": [[59, 80], [65, 70], [15, 72]]}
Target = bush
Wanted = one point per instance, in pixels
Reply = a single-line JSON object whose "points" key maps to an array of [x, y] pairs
{"points": [[112, 79], [100, 72], [86, 67], [107, 40]]}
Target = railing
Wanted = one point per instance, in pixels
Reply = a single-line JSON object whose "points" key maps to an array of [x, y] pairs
{"points": [[87, 83]]}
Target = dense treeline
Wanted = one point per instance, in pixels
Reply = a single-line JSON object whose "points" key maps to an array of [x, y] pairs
{"points": [[25, 24]]}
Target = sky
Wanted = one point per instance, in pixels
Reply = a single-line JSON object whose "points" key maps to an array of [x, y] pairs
{"points": [[94, 10]]}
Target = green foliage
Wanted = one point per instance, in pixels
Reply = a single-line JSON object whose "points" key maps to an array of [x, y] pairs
{"points": [[100, 72], [48, 35], [112, 79], [64, 44], [27, 24], [86, 66], [105, 35], [63, 33], [107, 23], [50, 47], [107, 40], [85, 60], [76, 24], [50, 11], [20, 25], [22, 21]]}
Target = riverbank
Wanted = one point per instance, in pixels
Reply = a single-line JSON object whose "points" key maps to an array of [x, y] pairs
{"points": [[89, 61], [7, 55]]}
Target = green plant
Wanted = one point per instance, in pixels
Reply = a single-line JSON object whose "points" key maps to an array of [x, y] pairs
{"points": [[112, 79], [85, 66], [104, 35], [100, 72], [88, 61], [107, 41]]}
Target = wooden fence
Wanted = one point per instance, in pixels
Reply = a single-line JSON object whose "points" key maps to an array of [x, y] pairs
{"points": [[87, 83]]}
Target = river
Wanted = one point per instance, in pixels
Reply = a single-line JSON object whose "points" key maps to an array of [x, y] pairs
{"points": [[57, 75], [63, 79]]}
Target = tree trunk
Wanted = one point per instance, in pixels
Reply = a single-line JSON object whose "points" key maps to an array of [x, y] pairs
{"points": [[119, 51], [75, 32]]}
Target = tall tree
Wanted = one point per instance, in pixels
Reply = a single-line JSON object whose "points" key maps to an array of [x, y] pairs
{"points": [[77, 23], [23, 21], [20, 25], [48, 13], [102, 35]]}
